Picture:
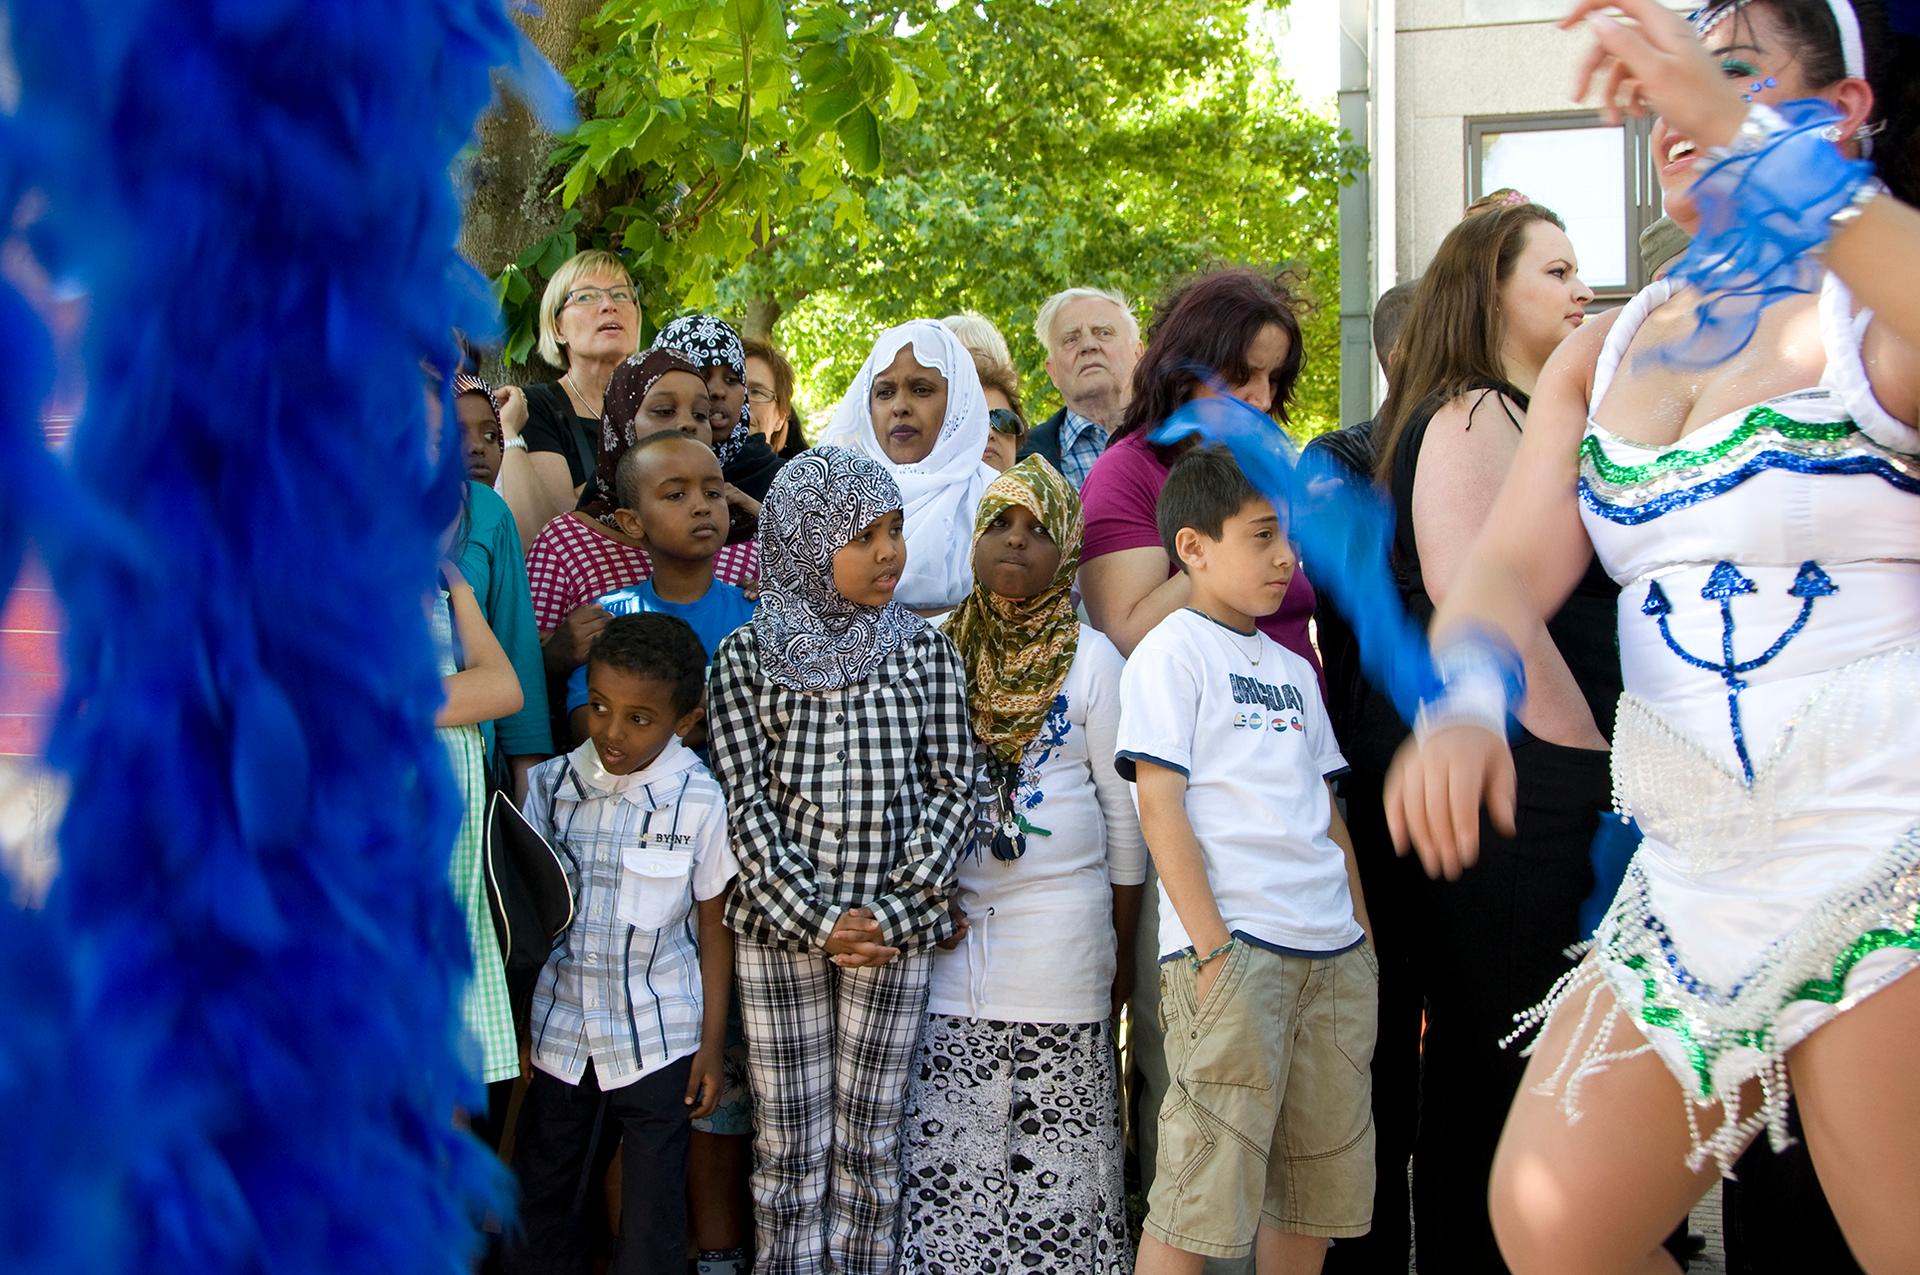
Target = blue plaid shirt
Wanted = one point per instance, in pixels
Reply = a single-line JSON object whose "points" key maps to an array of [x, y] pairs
{"points": [[1081, 442]]}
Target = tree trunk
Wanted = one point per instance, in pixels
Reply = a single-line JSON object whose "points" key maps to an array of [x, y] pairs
{"points": [[757, 323], [508, 207]]}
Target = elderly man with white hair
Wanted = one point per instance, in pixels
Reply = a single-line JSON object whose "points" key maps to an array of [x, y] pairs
{"points": [[1092, 342]]}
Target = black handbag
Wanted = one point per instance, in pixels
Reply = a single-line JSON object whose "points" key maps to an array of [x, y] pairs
{"points": [[530, 897]]}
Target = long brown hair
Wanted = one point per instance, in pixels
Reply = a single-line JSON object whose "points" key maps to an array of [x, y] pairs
{"points": [[1452, 338]]}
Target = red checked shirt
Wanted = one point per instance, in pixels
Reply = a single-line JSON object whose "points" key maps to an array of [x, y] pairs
{"points": [[571, 563]]}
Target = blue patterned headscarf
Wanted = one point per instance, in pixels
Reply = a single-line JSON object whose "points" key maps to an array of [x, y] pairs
{"points": [[810, 637]]}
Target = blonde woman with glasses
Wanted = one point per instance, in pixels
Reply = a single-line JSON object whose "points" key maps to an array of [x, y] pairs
{"points": [[589, 323]]}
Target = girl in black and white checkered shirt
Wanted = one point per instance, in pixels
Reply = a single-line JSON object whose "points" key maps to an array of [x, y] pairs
{"points": [[840, 735]]}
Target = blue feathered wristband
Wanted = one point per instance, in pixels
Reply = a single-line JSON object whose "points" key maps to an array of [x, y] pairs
{"points": [[1767, 205]]}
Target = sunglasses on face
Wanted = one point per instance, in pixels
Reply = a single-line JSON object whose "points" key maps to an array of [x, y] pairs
{"points": [[1005, 420]]}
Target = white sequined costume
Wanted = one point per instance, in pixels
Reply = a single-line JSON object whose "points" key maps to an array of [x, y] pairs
{"points": [[1769, 563]]}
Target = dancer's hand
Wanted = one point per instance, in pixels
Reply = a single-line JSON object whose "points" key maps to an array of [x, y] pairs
{"points": [[1435, 790], [1654, 62]]}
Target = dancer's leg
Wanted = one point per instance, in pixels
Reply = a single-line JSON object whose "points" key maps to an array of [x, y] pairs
{"points": [[1860, 1106], [1596, 1195]]}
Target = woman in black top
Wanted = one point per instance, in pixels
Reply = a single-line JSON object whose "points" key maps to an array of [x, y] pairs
{"points": [[1502, 292], [589, 324]]}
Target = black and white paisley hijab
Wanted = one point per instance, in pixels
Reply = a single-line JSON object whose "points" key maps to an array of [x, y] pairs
{"points": [[810, 637], [707, 342]]}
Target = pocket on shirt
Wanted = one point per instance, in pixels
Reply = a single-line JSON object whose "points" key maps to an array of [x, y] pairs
{"points": [[656, 887]]}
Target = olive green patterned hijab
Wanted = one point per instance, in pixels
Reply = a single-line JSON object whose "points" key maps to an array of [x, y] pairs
{"points": [[1017, 651]]}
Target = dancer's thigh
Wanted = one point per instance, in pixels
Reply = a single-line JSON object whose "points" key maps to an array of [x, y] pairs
{"points": [[1600, 1193], [1860, 1108]]}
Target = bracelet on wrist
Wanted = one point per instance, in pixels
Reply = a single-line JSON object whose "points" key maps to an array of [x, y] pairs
{"points": [[1200, 962], [517, 443], [1866, 193]]}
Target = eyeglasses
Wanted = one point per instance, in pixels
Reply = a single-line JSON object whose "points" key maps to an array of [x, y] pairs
{"points": [[593, 296], [1006, 421], [759, 394]]}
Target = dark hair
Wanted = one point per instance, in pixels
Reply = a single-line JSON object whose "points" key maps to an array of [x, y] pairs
{"points": [[661, 648], [1452, 338], [1809, 27], [1204, 489], [1389, 316], [1208, 322], [796, 439], [628, 472]]}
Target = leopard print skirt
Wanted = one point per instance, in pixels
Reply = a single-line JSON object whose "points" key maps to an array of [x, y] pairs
{"points": [[1013, 1151]]}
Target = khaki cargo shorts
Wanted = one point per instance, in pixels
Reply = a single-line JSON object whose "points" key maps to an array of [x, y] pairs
{"points": [[1267, 1118]]}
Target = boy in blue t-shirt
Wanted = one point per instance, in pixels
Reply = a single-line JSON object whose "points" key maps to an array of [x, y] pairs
{"points": [[673, 500]]}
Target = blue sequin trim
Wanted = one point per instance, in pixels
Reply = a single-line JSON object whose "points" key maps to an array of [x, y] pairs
{"points": [[1633, 515]]}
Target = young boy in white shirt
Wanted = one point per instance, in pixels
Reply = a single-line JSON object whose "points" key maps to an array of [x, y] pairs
{"points": [[1268, 981], [629, 1015]]}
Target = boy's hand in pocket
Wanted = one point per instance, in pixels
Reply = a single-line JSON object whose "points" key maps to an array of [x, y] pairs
{"points": [[1206, 976]]}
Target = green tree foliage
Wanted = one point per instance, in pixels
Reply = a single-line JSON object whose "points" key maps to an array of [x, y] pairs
{"points": [[842, 167], [706, 128], [1125, 143]]}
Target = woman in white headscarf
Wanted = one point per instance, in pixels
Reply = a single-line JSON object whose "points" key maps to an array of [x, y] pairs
{"points": [[916, 409]]}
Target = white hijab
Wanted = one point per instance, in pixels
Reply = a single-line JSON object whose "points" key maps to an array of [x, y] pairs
{"points": [[941, 492]]}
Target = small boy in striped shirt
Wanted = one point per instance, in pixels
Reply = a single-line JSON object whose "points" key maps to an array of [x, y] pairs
{"points": [[629, 1015]]}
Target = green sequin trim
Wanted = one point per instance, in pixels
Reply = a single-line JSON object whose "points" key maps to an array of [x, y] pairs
{"points": [[1674, 1022], [1760, 418], [1830, 990], [1826, 990]]}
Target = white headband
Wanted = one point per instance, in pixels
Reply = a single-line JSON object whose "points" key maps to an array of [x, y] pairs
{"points": [[1853, 56]]}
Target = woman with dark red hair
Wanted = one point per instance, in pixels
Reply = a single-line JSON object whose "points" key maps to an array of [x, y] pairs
{"points": [[1243, 327]]}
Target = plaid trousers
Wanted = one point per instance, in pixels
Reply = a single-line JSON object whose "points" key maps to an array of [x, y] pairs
{"points": [[829, 1053]]}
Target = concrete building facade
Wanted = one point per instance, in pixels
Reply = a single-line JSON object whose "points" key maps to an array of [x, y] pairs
{"points": [[1454, 98]]}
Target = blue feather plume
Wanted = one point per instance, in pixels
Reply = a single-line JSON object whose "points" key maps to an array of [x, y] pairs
{"points": [[1342, 524], [234, 1041]]}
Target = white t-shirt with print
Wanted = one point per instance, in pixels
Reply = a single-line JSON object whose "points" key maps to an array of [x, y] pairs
{"points": [[1241, 717]]}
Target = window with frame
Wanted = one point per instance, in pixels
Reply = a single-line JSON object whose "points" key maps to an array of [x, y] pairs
{"points": [[1598, 177]]}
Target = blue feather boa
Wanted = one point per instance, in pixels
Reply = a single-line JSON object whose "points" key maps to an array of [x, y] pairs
{"points": [[233, 1038]]}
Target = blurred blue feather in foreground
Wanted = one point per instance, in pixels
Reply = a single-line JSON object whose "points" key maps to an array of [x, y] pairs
{"points": [[233, 1040]]}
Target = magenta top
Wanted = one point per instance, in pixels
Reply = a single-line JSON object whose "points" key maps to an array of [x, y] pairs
{"points": [[1120, 499]]}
